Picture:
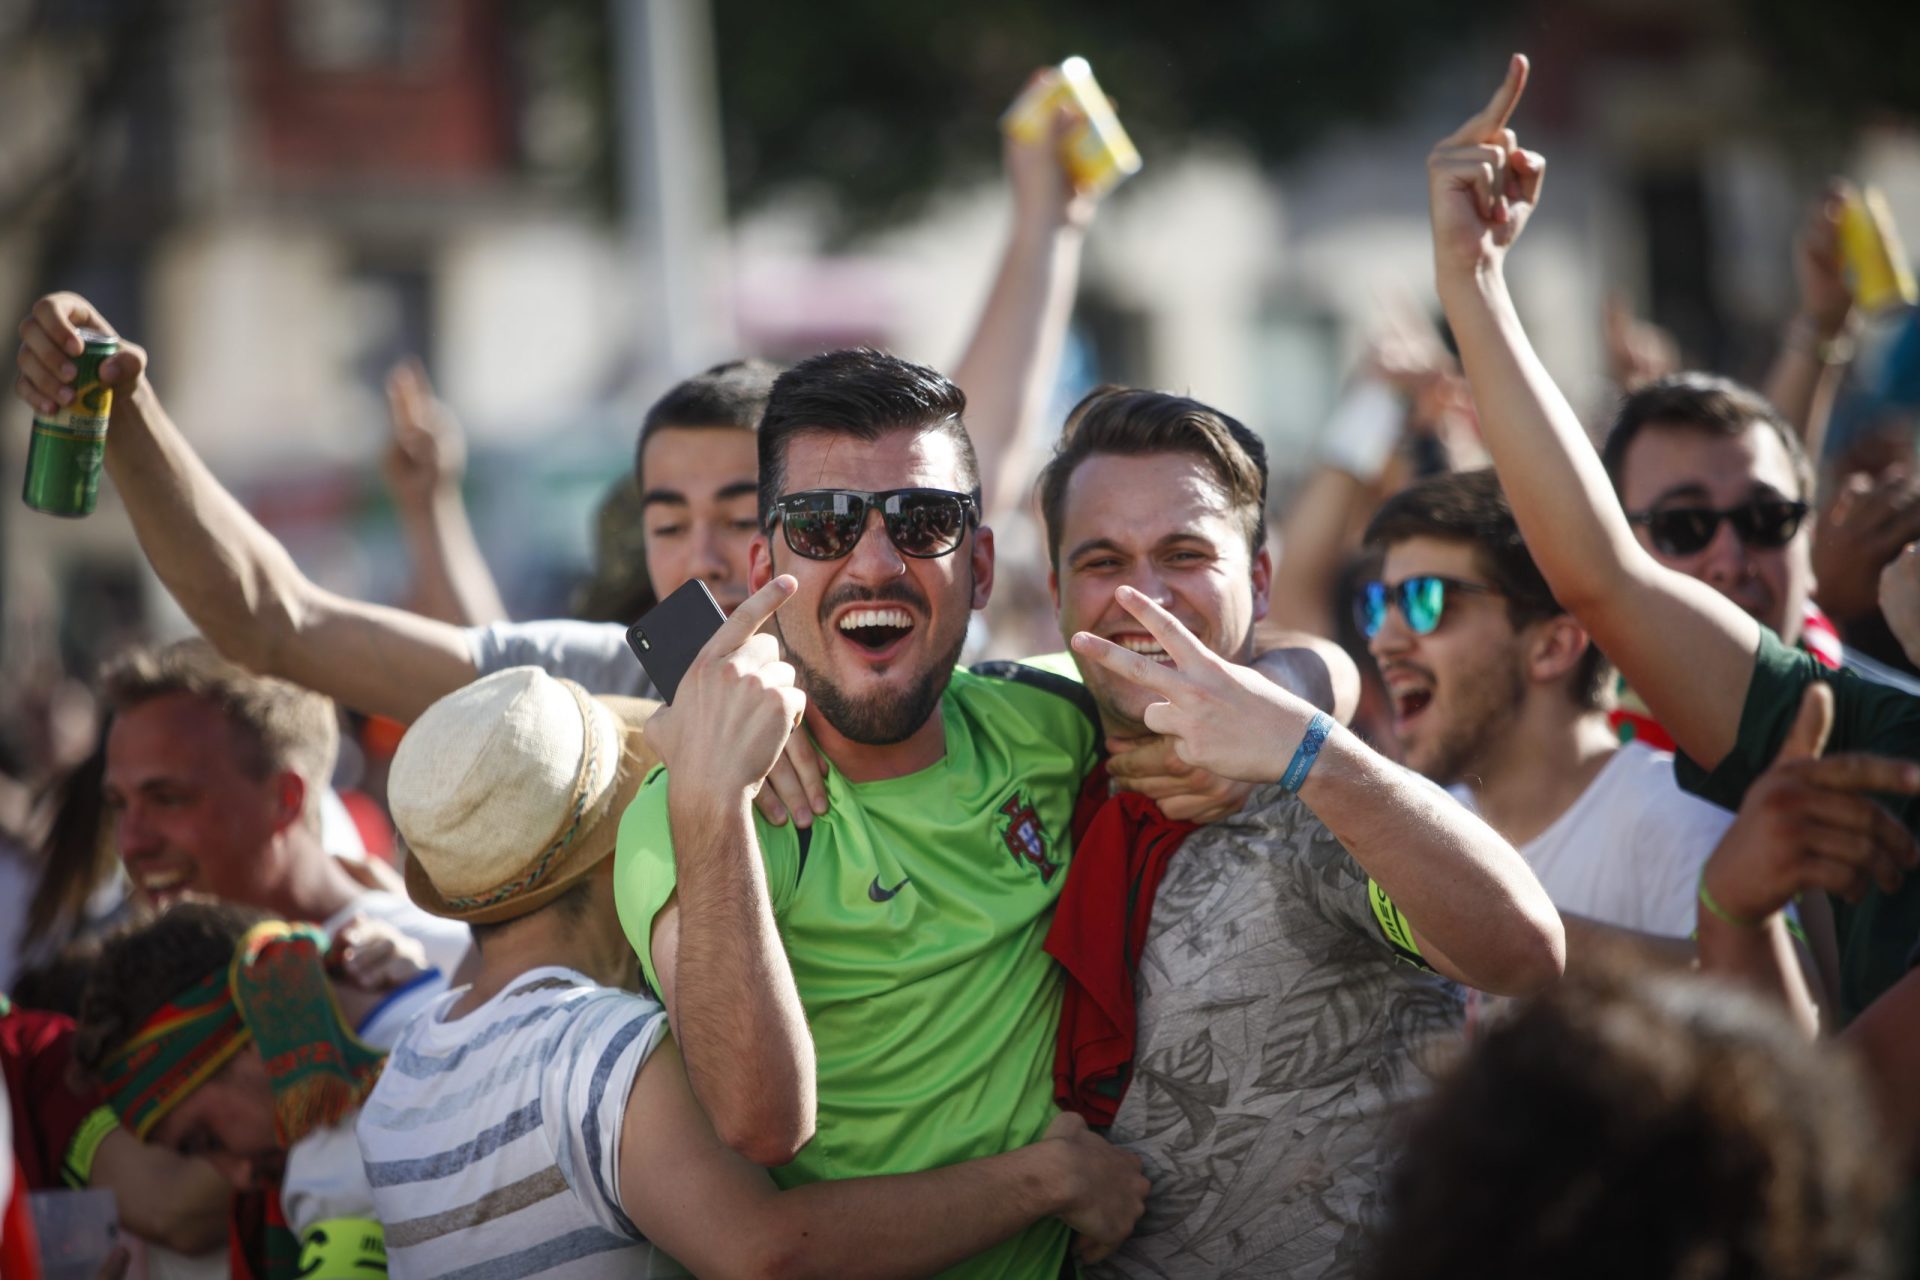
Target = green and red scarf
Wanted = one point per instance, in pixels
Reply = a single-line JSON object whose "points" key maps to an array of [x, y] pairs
{"points": [[274, 994]]}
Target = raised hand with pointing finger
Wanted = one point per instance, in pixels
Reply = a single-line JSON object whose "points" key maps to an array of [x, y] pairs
{"points": [[1483, 185], [737, 705], [1220, 716]]}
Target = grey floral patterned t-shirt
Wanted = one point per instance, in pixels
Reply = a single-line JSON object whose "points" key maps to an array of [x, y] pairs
{"points": [[1278, 1037]]}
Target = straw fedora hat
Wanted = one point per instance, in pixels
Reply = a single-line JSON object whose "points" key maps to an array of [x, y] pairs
{"points": [[509, 789]]}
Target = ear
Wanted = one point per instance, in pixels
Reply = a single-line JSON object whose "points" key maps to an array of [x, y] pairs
{"points": [[759, 562], [1262, 584], [982, 556], [290, 800], [1556, 648]]}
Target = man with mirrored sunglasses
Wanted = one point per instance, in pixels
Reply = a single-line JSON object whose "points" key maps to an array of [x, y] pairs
{"points": [[1499, 693]]}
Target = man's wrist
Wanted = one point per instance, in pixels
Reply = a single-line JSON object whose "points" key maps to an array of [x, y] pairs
{"points": [[693, 797], [1725, 905], [1054, 1181]]}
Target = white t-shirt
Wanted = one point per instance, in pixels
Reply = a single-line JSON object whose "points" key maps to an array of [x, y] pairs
{"points": [[594, 655], [1629, 850], [446, 941], [325, 1177], [492, 1141]]}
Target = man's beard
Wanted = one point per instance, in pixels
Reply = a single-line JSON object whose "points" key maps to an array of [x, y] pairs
{"points": [[879, 720]]}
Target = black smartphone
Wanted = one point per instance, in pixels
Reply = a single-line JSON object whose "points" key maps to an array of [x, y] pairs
{"points": [[669, 636]]}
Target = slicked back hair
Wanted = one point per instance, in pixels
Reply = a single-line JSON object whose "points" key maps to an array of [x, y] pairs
{"points": [[1129, 422], [1705, 403], [1470, 507], [862, 394], [733, 394]]}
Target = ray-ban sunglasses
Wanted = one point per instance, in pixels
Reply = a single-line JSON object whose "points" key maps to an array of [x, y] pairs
{"points": [[826, 524]]}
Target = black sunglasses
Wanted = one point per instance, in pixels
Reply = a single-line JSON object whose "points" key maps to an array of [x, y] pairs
{"points": [[1760, 523], [1422, 601], [826, 524]]}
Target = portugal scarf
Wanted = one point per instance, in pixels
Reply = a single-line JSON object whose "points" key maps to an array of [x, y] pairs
{"points": [[275, 994]]}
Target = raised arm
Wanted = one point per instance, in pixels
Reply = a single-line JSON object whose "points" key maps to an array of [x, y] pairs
{"points": [[1011, 360], [1686, 649], [425, 463], [716, 950], [1477, 913], [1817, 346], [235, 581], [719, 1216]]}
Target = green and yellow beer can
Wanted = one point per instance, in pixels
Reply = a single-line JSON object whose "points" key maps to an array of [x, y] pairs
{"points": [[69, 444]]}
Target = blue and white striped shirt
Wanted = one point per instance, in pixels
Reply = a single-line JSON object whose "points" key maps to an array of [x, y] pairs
{"points": [[492, 1141]]}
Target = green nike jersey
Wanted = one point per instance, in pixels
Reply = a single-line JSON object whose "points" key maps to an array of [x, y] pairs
{"points": [[914, 923]]}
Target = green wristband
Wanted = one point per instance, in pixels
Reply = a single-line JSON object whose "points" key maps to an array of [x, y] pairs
{"points": [[77, 1169], [1720, 913]]}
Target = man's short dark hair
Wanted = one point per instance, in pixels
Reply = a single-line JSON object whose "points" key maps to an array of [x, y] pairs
{"points": [[1470, 507], [141, 967], [864, 394], [1703, 403], [733, 394], [1130, 422]]}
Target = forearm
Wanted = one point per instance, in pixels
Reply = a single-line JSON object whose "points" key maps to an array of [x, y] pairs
{"points": [[1552, 476], [736, 1011], [1313, 543], [1806, 376], [1764, 958], [233, 579], [910, 1224], [1592, 944], [1685, 648], [1466, 892], [1008, 368], [451, 581]]}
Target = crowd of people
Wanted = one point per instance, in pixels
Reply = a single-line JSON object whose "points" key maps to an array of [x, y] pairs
{"points": [[1509, 877]]}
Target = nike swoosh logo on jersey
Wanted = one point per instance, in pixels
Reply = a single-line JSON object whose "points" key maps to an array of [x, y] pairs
{"points": [[879, 894]]}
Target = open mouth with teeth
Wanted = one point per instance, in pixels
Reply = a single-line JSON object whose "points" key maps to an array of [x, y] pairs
{"points": [[1144, 645], [160, 883], [876, 631]]}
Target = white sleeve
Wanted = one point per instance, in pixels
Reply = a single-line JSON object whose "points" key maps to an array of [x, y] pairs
{"points": [[325, 1178], [592, 654], [584, 1099]]}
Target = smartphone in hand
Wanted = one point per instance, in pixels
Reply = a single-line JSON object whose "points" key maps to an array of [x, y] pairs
{"points": [[669, 635]]}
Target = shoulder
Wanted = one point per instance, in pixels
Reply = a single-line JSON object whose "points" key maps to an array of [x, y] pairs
{"points": [[594, 654], [1029, 689]]}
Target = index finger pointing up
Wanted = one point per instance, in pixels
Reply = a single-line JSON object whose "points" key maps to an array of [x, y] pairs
{"points": [[1492, 118], [752, 614]]}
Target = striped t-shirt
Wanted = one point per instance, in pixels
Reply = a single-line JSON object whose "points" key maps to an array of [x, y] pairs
{"points": [[491, 1141]]}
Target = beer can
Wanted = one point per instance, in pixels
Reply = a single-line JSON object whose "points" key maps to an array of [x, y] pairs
{"points": [[1097, 152], [1870, 248], [69, 444]]}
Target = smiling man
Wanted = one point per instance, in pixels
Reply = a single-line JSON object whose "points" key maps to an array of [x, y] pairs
{"points": [[898, 942], [1282, 994], [1497, 689], [213, 782]]}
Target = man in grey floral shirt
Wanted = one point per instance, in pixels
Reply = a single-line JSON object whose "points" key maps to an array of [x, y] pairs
{"points": [[1291, 991]]}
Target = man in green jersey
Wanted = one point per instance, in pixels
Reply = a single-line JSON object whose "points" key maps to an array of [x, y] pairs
{"points": [[1721, 683], [912, 917]]}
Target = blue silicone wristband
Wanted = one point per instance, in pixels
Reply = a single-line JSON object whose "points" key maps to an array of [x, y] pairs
{"points": [[1307, 752]]}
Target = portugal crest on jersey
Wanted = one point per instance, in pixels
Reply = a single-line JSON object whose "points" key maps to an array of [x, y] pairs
{"points": [[1026, 839]]}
